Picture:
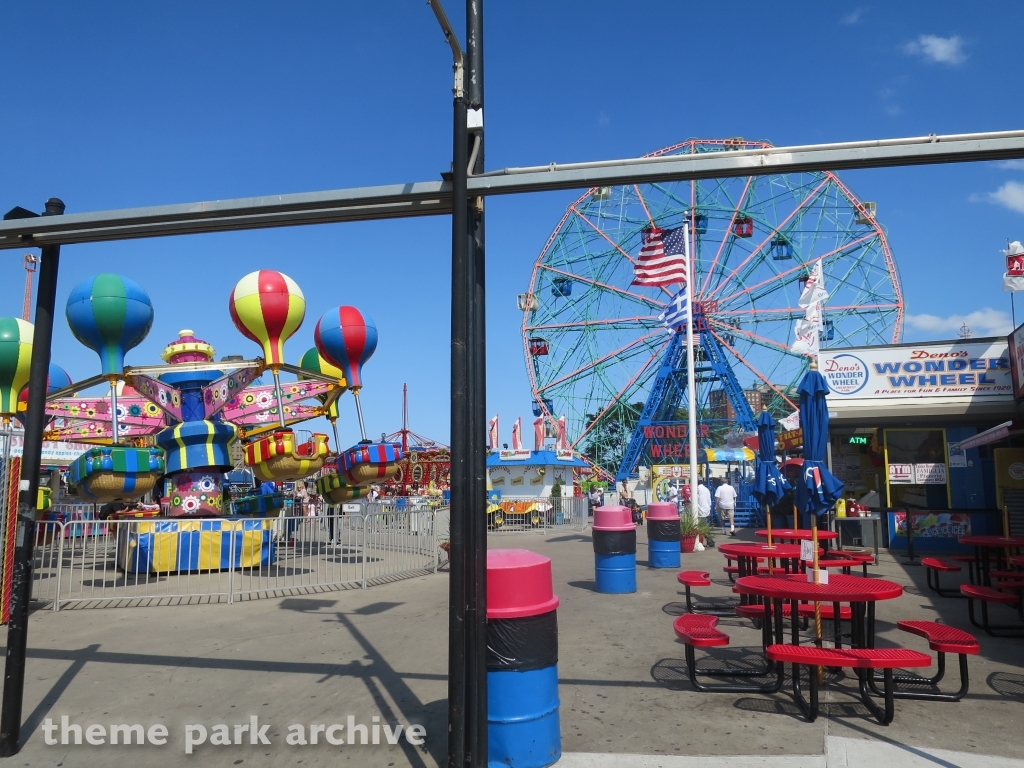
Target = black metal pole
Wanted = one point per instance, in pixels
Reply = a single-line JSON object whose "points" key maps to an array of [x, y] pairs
{"points": [[462, 445], [21, 586], [476, 618]]}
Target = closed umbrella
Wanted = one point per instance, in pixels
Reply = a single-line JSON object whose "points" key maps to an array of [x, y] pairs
{"points": [[769, 484], [817, 489]]}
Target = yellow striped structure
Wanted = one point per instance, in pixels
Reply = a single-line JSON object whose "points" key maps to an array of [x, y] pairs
{"points": [[183, 545], [278, 458]]}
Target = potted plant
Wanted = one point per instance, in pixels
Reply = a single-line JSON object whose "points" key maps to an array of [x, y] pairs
{"points": [[556, 504], [689, 528]]}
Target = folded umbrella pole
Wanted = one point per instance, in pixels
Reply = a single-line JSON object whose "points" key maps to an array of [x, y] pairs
{"points": [[817, 489], [769, 484]]}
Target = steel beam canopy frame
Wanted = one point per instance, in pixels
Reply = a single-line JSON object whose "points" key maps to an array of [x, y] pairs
{"points": [[433, 198]]}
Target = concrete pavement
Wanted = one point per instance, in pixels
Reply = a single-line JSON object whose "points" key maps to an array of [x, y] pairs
{"points": [[318, 658]]}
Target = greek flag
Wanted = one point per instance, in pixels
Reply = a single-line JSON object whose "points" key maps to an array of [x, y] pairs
{"points": [[674, 313]]}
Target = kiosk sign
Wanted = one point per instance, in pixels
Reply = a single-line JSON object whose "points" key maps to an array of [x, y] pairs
{"points": [[943, 372]]}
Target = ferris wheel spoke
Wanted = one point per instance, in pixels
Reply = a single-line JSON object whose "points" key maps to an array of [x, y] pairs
{"points": [[641, 320], [615, 245], [726, 238], [798, 268], [602, 233], [751, 336], [792, 313], [797, 212], [753, 369], [659, 305], [595, 363], [622, 392]]}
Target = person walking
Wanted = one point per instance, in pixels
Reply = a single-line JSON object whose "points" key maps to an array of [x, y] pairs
{"points": [[725, 497], [673, 494], [704, 508]]}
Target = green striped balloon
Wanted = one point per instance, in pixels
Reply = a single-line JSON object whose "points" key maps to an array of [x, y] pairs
{"points": [[15, 357]]}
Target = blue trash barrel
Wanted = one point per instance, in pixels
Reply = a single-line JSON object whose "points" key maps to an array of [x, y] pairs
{"points": [[663, 535], [523, 726], [614, 535]]}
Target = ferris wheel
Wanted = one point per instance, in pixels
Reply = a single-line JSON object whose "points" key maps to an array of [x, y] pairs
{"points": [[593, 341]]}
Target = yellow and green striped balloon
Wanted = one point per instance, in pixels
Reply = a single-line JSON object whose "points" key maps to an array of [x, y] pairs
{"points": [[313, 361], [15, 358]]}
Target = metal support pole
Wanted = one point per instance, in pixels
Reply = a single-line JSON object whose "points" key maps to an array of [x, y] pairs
{"points": [[476, 617], [35, 419], [462, 445], [114, 426], [359, 416], [280, 398]]}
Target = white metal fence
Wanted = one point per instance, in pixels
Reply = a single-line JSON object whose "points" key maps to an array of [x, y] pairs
{"points": [[172, 561], [516, 514]]}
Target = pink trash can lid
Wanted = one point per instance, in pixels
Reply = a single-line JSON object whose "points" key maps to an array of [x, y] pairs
{"points": [[518, 584], [613, 519], [662, 510]]}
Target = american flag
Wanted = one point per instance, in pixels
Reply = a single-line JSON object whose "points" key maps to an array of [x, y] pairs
{"points": [[661, 260]]}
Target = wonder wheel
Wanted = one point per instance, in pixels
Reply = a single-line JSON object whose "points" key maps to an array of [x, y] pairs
{"points": [[593, 341]]}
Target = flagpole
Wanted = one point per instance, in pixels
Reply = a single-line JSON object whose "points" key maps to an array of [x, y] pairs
{"points": [[691, 405]]}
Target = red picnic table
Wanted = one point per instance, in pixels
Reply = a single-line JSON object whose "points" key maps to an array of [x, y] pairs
{"points": [[860, 593], [984, 545], [798, 534], [747, 553]]}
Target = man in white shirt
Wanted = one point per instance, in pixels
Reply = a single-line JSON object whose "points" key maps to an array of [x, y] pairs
{"points": [[703, 500], [704, 509], [673, 494], [725, 497]]}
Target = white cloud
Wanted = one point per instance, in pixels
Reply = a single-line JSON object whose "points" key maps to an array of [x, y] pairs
{"points": [[854, 16], [1011, 165], [1010, 195], [943, 50], [983, 322]]}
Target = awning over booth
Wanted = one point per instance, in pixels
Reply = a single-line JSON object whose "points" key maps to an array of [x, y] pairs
{"points": [[994, 435], [724, 454]]}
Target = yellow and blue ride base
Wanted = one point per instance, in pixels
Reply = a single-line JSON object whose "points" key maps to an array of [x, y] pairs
{"points": [[184, 545]]}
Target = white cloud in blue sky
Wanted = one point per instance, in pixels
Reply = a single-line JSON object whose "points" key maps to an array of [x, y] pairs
{"points": [[942, 50], [854, 16], [983, 322], [1010, 195]]}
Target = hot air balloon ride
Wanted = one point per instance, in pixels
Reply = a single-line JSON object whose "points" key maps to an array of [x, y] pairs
{"points": [[15, 357], [110, 315], [191, 406], [347, 338], [314, 362], [268, 307]]}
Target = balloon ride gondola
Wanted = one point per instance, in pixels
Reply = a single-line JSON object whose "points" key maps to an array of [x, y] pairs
{"points": [[277, 457], [112, 473]]}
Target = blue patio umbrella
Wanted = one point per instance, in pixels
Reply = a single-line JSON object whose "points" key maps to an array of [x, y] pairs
{"points": [[817, 489], [769, 484]]}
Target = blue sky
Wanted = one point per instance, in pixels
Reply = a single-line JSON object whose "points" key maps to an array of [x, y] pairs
{"points": [[111, 105]]}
